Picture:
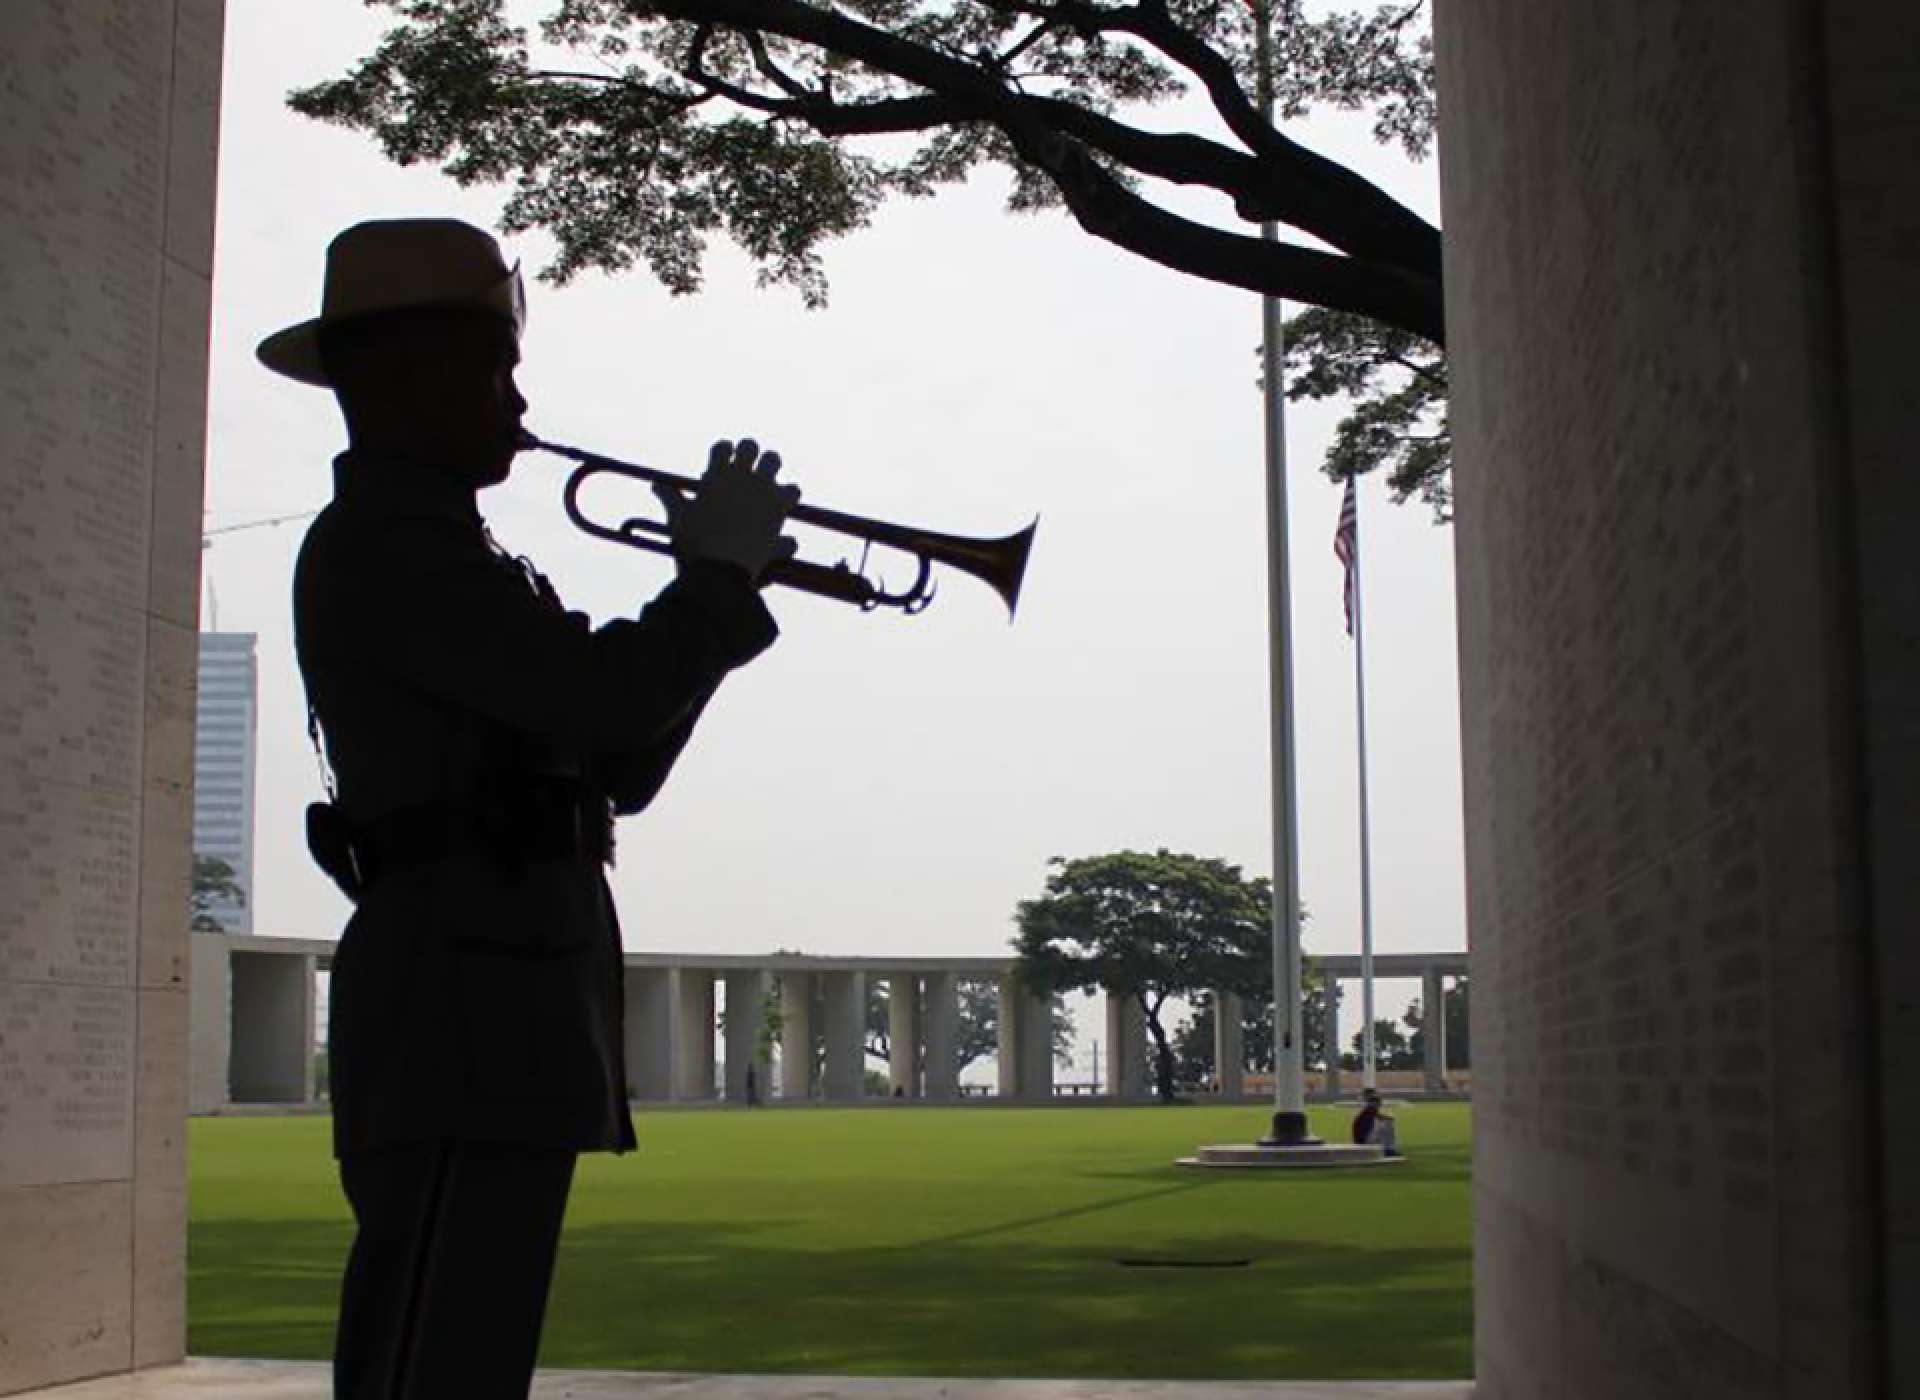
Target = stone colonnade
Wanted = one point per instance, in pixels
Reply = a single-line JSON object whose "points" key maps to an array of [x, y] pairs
{"points": [[1433, 970], [687, 1015], [795, 1028]]}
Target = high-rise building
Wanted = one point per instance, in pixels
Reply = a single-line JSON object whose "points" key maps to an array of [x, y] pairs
{"points": [[223, 766]]}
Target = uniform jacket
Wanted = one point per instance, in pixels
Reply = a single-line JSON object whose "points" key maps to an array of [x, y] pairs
{"points": [[475, 998]]}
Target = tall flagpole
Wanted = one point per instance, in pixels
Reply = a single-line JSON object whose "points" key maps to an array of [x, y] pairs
{"points": [[1289, 1040], [1369, 1058]]}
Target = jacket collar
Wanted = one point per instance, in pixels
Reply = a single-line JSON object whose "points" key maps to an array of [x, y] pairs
{"points": [[396, 483]]}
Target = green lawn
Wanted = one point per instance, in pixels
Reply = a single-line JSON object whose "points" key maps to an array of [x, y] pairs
{"points": [[960, 1242]]}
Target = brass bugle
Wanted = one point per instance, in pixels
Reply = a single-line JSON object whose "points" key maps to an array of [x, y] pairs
{"points": [[1000, 564]]}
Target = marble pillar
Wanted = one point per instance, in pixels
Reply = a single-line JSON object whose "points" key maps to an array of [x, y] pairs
{"points": [[903, 1036], [209, 1076], [747, 1047], [796, 1036], [1229, 1052], [846, 1036], [109, 123], [1333, 1035], [693, 1058], [273, 1029], [940, 1009], [1025, 1042], [1036, 1048], [653, 1014], [1007, 1037], [1433, 1024], [1127, 1076], [1681, 283]]}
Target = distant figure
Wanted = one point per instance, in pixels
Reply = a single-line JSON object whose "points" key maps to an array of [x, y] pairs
{"points": [[481, 740], [753, 1087], [1372, 1125]]}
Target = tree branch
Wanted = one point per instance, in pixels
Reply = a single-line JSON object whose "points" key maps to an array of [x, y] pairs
{"points": [[1107, 209], [1391, 245]]}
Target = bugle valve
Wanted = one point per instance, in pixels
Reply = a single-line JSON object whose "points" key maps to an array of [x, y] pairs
{"points": [[1000, 564]]}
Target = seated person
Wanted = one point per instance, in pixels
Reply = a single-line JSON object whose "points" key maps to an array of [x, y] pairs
{"points": [[1371, 1125]]}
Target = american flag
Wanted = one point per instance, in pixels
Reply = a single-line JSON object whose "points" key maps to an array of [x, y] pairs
{"points": [[1346, 546]]}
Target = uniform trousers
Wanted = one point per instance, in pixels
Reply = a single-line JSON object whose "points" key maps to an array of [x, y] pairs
{"points": [[446, 1286]]}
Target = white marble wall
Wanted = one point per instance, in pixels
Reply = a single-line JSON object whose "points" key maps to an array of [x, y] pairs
{"points": [[107, 142], [1684, 420]]}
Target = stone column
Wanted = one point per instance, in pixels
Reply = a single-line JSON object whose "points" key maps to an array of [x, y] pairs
{"points": [[846, 1033], [941, 1010], [1036, 1048], [1127, 1049], [1333, 1036], [693, 1064], [746, 1015], [1026, 1043], [1229, 1054], [210, 1077], [109, 118], [796, 1036], [1679, 305], [1433, 1022], [1007, 1037], [903, 1035], [653, 1015], [272, 1028]]}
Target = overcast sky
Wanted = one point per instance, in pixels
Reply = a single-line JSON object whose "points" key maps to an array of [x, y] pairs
{"points": [[878, 784]]}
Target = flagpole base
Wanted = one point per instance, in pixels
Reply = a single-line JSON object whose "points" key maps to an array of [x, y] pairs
{"points": [[1290, 1130]]}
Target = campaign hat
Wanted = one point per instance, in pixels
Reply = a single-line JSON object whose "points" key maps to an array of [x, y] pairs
{"points": [[387, 265]]}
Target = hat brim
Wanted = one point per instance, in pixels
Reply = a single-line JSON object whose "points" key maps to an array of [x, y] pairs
{"points": [[295, 352]]}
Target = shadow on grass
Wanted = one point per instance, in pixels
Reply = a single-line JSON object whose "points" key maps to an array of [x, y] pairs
{"points": [[670, 1296], [1052, 1217]]}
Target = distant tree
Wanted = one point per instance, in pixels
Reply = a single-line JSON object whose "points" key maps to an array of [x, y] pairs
{"points": [[1459, 1029], [1391, 1048], [782, 125], [1147, 927], [640, 129], [976, 1025], [1398, 383], [1193, 1040], [214, 883]]}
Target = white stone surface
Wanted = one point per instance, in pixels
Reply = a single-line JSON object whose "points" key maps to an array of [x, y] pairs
{"points": [[287, 1380], [746, 1019], [693, 1049], [1127, 1049], [796, 1036], [845, 1014], [1229, 1048], [108, 124], [940, 1007], [653, 1018], [903, 1035]]}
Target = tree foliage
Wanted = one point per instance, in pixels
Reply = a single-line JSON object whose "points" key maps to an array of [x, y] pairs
{"points": [[976, 1024], [215, 883], [1193, 1040], [636, 130], [1398, 383], [1147, 927], [1453, 1003]]}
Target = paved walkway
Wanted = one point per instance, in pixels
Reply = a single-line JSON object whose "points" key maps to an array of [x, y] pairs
{"points": [[303, 1380]]}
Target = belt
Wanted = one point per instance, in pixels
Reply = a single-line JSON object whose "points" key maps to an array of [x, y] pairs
{"points": [[540, 820]]}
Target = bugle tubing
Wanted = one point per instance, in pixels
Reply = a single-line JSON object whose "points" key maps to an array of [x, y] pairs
{"points": [[1001, 564]]}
